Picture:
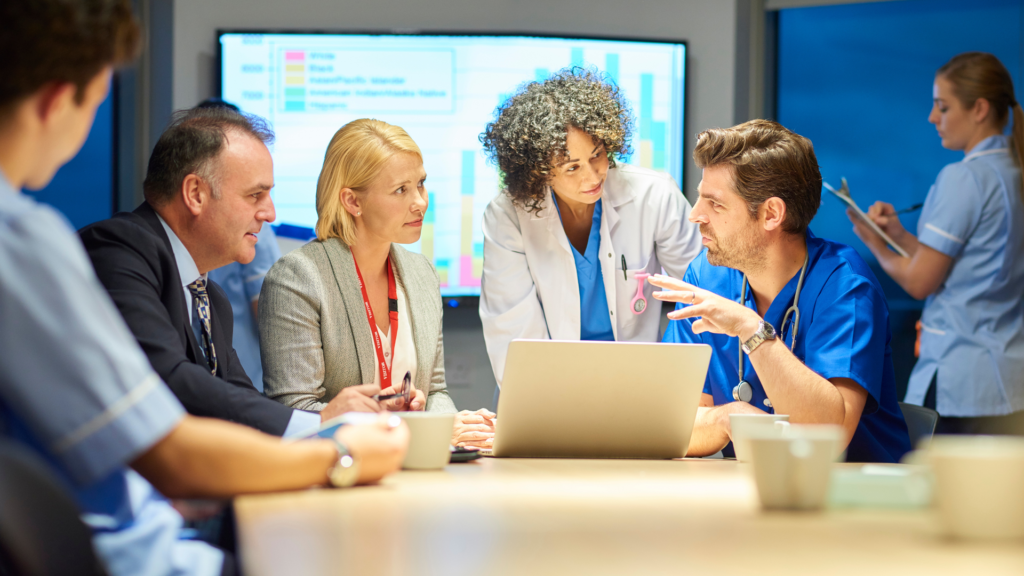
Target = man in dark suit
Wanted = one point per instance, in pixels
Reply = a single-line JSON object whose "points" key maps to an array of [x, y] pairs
{"points": [[207, 194]]}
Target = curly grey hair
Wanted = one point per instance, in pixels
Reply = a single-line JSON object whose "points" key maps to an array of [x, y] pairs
{"points": [[529, 132]]}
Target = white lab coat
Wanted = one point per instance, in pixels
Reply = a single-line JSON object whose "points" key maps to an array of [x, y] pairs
{"points": [[529, 287]]}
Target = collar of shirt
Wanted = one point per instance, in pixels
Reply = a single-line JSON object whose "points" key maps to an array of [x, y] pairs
{"points": [[991, 143], [187, 269]]}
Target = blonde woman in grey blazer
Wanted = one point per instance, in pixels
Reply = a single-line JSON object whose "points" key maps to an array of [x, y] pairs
{"points": [[315, 337]]}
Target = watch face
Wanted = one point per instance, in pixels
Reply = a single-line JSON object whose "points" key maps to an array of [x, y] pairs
{"points": [[639, 305]]}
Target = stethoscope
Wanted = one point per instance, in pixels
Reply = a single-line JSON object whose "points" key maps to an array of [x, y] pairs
{"points": [[744, 392]]}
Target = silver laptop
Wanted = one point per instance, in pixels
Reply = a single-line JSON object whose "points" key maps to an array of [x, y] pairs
{"points": [[599, 399]]}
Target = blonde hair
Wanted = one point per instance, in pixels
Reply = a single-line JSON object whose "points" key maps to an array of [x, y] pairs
{"points": [[355, 157], [977, 75]]}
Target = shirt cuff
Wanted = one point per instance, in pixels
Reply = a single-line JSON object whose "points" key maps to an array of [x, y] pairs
{"points": [[301, 424], [938, 239]]}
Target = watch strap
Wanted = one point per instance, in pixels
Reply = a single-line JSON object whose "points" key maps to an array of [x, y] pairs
{"points": [[765, 331], [345, 471]]}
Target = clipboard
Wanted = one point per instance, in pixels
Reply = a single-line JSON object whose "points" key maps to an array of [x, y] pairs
{"points": [[844, 194]]}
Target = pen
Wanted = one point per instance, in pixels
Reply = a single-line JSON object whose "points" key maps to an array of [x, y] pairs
{"points": [[911, 209], [624, 277]]}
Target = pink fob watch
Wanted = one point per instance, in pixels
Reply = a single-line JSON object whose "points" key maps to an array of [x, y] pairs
{"points": [[639, 303]]}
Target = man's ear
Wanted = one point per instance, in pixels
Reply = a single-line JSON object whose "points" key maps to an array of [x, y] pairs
{"points": [[53, 99], [195, 193], [350, 201], [773, 213]]}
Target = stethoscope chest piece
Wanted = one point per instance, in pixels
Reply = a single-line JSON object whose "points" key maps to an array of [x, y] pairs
{"points": [[743, 392]]}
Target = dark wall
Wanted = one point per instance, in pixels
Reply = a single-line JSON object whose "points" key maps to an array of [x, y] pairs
{"points": [[857, 80]]}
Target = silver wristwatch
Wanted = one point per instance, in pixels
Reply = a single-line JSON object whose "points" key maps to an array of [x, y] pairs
{"points": [[346, 471], [765, 331]]}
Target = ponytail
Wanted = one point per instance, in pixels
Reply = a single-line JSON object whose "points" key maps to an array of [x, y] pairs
{"points": [[1017, 138]]}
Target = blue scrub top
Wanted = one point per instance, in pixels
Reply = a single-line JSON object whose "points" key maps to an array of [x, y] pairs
{"points": [[972, 339], [844, 333], [595, 323]]}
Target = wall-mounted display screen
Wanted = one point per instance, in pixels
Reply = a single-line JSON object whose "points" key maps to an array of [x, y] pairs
{"points": [[443, 89]]}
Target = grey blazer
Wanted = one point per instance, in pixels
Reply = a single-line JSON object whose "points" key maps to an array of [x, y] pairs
{"points": [[314, 337]]}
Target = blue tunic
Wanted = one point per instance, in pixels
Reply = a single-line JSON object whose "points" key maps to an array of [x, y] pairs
{"points": [[973, 325], [844, 333], [595, 322]]}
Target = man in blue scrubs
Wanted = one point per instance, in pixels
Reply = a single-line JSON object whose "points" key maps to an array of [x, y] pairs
{"points": [[760, 189]]}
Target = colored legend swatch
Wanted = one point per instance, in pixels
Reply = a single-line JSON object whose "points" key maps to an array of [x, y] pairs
{"points": [[652, 134], [469, 270], [295, 81], [427, 235]]}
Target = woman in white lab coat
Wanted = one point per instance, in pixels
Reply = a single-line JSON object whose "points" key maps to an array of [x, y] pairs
{"points": [[564, 242]]}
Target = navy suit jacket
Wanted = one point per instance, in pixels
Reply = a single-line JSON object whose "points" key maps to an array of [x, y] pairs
{"points": [[133, 259]]}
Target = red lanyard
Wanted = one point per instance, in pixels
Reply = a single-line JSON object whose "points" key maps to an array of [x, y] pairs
{"points": [[385, 372]]}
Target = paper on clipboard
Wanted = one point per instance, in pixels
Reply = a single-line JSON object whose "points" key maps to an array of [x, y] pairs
{"points": [[844, 194]]}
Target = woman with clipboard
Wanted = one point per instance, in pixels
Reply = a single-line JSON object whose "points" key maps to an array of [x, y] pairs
{"points": [[967, 259]]}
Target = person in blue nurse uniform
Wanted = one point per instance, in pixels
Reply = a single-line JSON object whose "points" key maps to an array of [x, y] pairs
{"points": [[798, 324], [967, 259]]}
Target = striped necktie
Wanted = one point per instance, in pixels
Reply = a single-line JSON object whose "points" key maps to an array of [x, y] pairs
{"points": [[202, 301]]}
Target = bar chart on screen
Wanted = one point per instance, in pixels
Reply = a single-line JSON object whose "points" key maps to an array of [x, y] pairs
{"points": [[443, 90]]}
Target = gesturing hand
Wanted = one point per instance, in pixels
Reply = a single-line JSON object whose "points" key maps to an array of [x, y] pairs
{"points": [[716, 314]]}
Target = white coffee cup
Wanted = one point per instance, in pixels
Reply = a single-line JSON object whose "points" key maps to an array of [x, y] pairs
{"points": [[979, 485], [430, 434], [743, 425], [792, 471]]}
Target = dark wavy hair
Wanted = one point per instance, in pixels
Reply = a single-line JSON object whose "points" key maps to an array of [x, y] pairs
{"points": [[529, 131], [191, 143]]}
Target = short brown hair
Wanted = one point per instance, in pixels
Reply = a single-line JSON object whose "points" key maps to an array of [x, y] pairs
{"points": [[769, 161], [61, 41], [189, 145]]}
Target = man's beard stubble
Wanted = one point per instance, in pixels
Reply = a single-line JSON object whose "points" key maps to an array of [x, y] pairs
{"points": [[744, 253]]}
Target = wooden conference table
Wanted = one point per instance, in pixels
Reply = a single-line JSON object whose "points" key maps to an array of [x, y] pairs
{"points": [[525, 516]]}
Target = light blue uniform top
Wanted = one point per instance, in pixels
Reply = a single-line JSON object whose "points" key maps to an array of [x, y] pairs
{"points": [[844, 333], [594, 323], [242, 284], [973, 335], [76, 388]]}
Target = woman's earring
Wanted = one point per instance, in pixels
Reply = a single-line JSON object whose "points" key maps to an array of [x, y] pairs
{"points": [[359, 213]]}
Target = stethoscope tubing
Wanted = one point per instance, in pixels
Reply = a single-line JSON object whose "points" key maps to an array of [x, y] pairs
{"points": [[738, 391]]}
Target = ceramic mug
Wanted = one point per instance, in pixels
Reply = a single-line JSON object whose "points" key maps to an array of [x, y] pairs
{"points": [[792, 470], [743, 425], [979, 485], [430, 435]]}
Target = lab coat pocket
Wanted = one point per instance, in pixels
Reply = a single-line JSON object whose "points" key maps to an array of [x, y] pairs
{"points": [[633, 326]]}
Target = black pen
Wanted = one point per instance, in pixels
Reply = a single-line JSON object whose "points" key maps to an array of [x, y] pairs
{"points": [[911, 209], [624, 277]]}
